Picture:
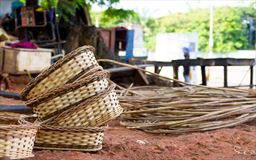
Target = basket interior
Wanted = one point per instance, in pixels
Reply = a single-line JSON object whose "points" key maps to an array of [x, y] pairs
{"points": [[16, 119], [7, 118], [4, 122]]}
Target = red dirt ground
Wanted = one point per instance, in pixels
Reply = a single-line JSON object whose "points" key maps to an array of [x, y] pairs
{"points": [[237, 143]]}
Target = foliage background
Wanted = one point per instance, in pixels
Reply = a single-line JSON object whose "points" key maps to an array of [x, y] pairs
{"points": [[230, 33]]}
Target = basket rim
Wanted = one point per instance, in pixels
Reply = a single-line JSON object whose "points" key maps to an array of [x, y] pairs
{"points": [[55, 92], [21, 119], [72, 128], [51, 147], [52, 68]]}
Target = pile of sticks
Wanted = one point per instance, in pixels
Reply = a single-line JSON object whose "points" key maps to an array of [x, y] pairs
{"points": [[189, 108], [185, 109]]}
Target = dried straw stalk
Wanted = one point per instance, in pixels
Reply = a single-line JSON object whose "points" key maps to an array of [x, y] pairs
{"points": [[183, 109]]}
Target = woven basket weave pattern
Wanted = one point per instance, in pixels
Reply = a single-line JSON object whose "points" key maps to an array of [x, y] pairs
{"points": [[48, 108], [17, 144], [84, 140], [94, 113], [73, 98], [16, 138], [62, 75]]}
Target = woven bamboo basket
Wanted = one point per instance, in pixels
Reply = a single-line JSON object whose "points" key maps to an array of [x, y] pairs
{"points": [[69, 138], [17, 136], [69, 95], [68, 69], [94, 111]]}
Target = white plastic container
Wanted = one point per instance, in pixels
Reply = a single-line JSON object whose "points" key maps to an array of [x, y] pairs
{"points": [[19, 60]]}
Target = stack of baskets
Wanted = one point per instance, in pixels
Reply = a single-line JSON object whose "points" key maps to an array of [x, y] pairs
{"points": [[74, 99]]}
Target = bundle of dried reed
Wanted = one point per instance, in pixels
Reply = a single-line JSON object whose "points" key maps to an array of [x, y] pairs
{"points": [[183, 109]]}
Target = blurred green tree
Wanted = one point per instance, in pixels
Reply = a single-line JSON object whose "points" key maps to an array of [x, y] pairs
{"points": [[67, 9], [230, 31]]}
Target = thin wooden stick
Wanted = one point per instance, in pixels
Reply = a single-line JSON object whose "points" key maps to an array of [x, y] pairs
{"points": [[128, 89], [122, 88]]}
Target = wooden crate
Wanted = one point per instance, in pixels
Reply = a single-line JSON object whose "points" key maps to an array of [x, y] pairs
{"points": [[18, 60]]}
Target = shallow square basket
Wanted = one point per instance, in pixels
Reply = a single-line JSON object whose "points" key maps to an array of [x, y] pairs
{"points": [[94, 111], [69, 138], [63, 71], [17, 136], [69, 95]]}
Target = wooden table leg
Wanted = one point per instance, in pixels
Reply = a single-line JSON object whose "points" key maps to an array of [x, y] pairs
{"points": [[156, 69], [204, 82], [225, 76], [251, 78], [175, 74]]}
